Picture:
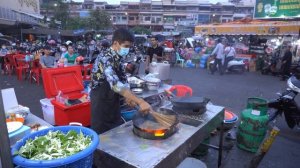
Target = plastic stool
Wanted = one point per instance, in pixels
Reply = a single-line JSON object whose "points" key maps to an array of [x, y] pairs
{"points": [[182, 90], [190, 162]]}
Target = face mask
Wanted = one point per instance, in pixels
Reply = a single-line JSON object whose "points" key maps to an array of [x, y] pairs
{"points": [[3, 47], [123, 51], [63, 49]]}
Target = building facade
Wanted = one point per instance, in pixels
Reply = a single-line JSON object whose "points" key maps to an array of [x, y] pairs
{"points": [[166, 14], [17, 14]]}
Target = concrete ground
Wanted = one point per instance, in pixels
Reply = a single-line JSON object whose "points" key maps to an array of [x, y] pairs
{"points": [[230, 90]]}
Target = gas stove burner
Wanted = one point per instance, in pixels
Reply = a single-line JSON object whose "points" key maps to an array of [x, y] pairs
{"points": [[147, 127], [187, 111]]}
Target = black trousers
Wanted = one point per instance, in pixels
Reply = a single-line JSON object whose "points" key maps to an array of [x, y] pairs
{"points": [[2, 62], [227, 59], [105, 105], [220, 66]]}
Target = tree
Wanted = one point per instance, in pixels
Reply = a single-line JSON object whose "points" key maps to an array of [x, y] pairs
{"points": [[99, 20], [77, 23], [61, 13], [141, 30]]}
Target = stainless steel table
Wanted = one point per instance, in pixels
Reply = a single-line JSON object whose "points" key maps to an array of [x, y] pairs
{"points": [[119, 147], [32, 119]]}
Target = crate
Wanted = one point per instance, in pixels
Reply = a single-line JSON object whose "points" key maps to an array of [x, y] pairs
{"points": [[48, 110], [69, 81]]}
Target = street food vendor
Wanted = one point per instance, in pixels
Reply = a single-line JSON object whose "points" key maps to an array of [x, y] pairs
{"points": [[109, 82], [154, 53]]}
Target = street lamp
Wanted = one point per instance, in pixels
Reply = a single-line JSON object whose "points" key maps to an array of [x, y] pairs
{"points": [[55, 5]]}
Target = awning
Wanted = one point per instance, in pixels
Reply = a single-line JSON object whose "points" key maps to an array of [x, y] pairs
{"points": [[169, 27], [38, 16]]}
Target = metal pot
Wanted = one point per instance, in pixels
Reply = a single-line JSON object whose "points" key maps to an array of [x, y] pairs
{"points": [[137, 90], [161, 69], [153, 83], [137, 84]]}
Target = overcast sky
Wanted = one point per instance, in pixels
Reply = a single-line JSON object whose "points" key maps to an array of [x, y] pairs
{"points": [[118, 1]]}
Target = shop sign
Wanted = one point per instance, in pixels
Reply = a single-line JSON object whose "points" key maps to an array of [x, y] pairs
{"points": [[277, 8]]}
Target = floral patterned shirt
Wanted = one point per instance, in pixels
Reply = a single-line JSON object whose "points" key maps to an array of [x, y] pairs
{"points": [[109, 66]]}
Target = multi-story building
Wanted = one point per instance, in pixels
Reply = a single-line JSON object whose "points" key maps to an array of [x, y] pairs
{"points": [[17, 14], [166, 14]]}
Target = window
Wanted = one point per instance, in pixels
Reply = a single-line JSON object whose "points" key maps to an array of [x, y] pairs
{"points": [[124, 18], [158, 20], [147, 18], [131, 18]]}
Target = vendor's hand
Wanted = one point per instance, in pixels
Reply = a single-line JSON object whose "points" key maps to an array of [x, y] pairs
{"points": [[144, 107], [130, 103]]}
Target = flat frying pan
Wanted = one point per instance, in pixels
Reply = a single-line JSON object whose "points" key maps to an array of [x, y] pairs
{"points": [[191, 102]]}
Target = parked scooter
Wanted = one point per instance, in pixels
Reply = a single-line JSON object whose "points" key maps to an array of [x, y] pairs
{"points": [[236, 65], [286, 104]]}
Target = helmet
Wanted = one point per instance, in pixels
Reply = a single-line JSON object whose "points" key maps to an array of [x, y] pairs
{"points": [[79, 59], [69, 42]]}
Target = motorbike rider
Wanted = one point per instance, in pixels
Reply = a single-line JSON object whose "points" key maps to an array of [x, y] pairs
{"points": [[230, 53], [286, 63]]}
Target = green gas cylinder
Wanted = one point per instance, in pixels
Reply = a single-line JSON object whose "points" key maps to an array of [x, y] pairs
{"points": [[252, 129]]}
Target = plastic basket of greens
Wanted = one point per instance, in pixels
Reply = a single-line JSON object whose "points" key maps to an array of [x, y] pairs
{"points": [[64, 146]]}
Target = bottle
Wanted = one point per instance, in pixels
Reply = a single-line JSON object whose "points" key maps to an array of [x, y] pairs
{"points": [[65, 62]]}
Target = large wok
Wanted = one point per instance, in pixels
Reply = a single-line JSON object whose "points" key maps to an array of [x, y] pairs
{"points": [[155, 130]]}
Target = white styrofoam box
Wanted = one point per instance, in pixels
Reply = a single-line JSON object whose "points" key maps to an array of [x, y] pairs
{"points": [[48, 110]]}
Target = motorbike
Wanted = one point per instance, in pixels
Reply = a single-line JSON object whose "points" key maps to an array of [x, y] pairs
{"points": [[270, 65], [235, 65], [286, 104]]}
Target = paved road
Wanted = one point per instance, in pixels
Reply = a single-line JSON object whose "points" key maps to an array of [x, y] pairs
{"points": [[230, 90]]}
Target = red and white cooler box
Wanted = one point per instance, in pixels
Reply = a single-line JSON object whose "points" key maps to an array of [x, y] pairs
{"points": [[69, 81]]}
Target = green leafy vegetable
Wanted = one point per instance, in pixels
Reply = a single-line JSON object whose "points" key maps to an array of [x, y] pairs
{"points": [[54, 145]]}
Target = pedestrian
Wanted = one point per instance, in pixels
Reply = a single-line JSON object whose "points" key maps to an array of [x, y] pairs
{"points": [[218, 54], [109, 83], [154, 53], [286, 63], [46, 60], [230, 53], [3, 52]]}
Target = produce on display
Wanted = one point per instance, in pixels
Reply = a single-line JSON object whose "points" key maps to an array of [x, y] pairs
{"points": [[54, 145]]}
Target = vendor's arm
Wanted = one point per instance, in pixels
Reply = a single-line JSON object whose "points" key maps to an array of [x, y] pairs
{"points": [[118, 86]]}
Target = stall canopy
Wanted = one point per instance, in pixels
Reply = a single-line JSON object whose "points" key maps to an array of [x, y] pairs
{"points": [[250, 27]]}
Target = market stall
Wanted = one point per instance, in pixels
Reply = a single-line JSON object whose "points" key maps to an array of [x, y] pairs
{"points": [[255, 39]]}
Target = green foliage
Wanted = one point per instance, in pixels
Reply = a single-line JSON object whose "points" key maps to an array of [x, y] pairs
{"points": [[99, 20], [141, 30]]}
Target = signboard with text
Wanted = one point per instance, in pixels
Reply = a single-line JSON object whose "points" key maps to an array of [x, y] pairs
{"points": [[277, 8]]}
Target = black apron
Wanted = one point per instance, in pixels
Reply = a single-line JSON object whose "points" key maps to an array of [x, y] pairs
{"points": [[105, 105]]}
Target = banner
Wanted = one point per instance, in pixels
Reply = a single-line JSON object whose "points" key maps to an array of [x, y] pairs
{"points": [[277, 8]]}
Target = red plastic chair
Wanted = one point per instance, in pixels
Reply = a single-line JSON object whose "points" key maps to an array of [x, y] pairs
{"points": [[181, 90], [10, 64], [22, 66], [35, 71], [87, 69]]}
